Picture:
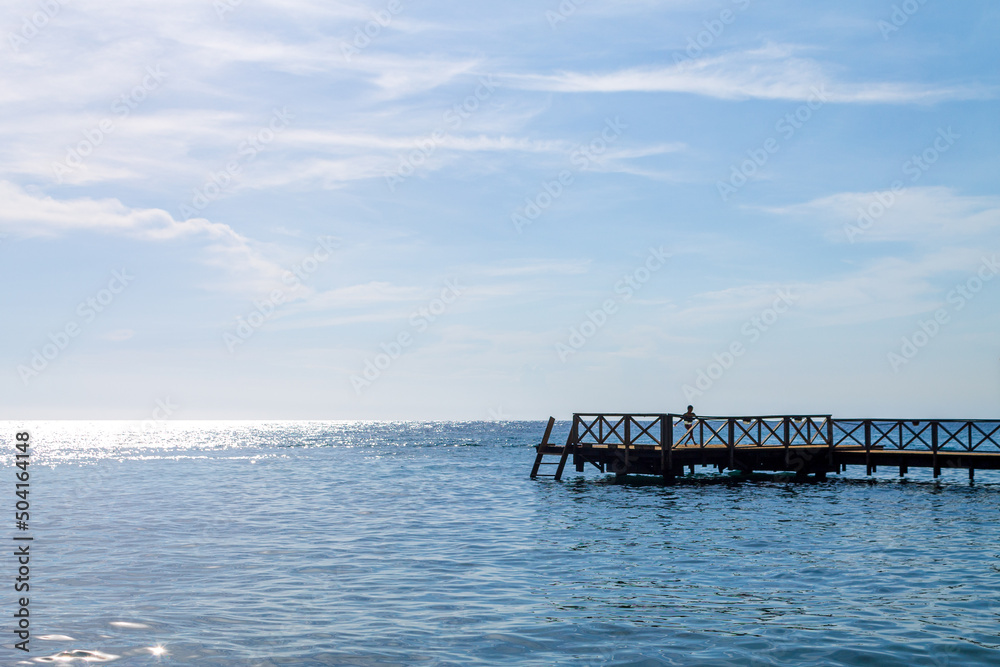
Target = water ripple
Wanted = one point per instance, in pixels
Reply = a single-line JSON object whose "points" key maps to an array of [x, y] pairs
{"points": [[361, 543]]}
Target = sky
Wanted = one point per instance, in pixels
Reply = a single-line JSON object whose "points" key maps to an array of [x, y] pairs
{"points": [[295, 209]]}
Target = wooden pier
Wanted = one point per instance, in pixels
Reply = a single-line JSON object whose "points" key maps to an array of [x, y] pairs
{"points": [[664, 444]]}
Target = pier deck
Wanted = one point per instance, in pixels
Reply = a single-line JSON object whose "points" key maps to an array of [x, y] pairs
{"points": [[663, 444]]}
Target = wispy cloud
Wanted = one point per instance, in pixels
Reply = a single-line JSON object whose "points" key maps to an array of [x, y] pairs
{"points": [[921, 215], [873, 291], [770, 73], [32, 214]]}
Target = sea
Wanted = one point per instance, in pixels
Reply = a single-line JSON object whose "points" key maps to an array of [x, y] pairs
{"points": [[426, 543]]}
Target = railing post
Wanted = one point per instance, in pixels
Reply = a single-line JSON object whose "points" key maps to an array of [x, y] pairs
{"points": [[700, 423], [628, 437], [829, 438], [788, 425], [934, 448], [868, 447], [666, 445], [574, 434], [732, 442]]}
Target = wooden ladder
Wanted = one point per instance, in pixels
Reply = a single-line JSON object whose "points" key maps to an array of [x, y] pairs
{"points": [[561, 463]]}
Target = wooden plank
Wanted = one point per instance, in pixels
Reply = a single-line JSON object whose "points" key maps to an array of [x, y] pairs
{"points": [[565, 454]]}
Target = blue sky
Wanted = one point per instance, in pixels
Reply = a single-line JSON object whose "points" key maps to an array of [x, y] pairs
{"points": [[396, 210]]}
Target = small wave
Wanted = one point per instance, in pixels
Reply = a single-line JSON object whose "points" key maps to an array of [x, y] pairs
{"points": [[514, 639], [78, 654]]}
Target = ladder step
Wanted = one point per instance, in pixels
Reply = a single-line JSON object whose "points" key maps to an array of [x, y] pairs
{"points": [[541, 453]]}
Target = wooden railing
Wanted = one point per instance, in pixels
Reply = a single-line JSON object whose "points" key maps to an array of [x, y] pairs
{"points": [[669, 430]]}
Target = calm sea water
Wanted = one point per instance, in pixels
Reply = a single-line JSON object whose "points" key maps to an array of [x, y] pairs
{"points": [[325, 543]]}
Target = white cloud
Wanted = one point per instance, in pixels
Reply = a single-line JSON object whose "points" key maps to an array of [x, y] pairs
{"points": [[886, 288], [771, 73], [31, 214], [921, 215], [881, 289]]}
